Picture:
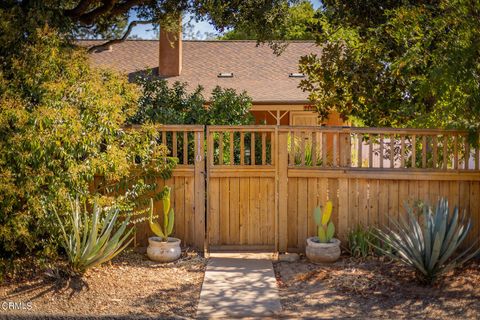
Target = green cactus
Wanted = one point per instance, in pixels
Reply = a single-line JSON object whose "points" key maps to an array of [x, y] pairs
{"points": [[325, 227], [168, 217]]}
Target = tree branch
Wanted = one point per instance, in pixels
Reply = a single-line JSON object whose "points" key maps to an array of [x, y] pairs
{"points": [[109, 7], [80, 9], [123, 38]]}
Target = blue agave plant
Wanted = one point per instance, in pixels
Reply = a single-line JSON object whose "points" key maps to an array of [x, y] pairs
{"points": [[429, 243]]}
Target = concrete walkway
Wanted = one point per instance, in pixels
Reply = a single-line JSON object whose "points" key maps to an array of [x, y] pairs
{"points": [[239, 286]]}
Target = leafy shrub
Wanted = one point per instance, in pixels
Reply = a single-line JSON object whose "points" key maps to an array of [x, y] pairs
{"points": [[429, 244], [61, 126], [363, 242], [89, 241], [160, 103]]}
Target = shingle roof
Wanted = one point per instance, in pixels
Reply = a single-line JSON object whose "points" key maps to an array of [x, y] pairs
{"points": [[256, 69]]}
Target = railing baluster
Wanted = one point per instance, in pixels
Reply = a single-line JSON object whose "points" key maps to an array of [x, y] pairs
{"points": [[314, 148], [302, 148], [210, 144], [424, 151], [381, 150], [335, 151], [292, 148], [174, 143], [402, 152], [392, 151], [242, 148], [252, 148], [435, 147], [220, 148], [273, 151], [455, 151], [360, 148], [164, 138], [414, 151], [467, 154], [370, 151], [185, 147], [445, 159], [232, 142], [324, 149], [264, 148]]}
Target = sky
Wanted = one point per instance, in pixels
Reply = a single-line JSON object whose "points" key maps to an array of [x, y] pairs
{"points": [[201, 27]]}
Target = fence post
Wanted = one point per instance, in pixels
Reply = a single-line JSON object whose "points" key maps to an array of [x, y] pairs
{"points": [[199, 173], [282, 165]]}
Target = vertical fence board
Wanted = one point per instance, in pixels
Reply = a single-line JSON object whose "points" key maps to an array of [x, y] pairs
{"points": [[234, 216], [302, 212], [292, 212], [244, 197]]}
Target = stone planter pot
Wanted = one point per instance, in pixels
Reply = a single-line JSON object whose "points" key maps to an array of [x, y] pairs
{"points": [[163, 251], [322, 252]]}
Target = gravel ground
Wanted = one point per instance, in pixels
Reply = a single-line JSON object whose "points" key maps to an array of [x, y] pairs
{"points": [[375, 289], [130, 287]]}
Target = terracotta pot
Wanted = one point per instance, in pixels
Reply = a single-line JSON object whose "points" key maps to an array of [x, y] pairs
{"points": [[163, 251], [322, 252]]}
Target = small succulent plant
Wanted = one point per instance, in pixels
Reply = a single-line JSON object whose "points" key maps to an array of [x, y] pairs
{"points": [[325, 227]]}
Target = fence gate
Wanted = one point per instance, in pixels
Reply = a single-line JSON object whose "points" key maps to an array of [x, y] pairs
{"points": [[241, 188]]}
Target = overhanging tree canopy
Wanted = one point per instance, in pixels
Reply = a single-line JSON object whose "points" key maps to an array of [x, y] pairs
{"points": [[398, 63], [114, 18]]}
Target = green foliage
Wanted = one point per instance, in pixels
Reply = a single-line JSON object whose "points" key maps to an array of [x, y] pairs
{"points": [[325, 227], [111, 19], [61, 129], [92, 241], [297, 25], [429, 244], [394, 63], [162, 104], [168, 217], [363, 242]]}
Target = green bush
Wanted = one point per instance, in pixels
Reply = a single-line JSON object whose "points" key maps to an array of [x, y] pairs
{"points": [[161, 103], [363, 242], [429, 243], [61, 126]]}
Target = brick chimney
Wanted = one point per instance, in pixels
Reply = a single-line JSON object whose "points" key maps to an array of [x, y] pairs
{"points": [[170, 64]]}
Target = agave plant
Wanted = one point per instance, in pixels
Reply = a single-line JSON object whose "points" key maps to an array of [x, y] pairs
{"points": [[429, 243], [89, 241]]}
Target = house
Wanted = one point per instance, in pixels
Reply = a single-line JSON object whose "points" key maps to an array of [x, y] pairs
{"points": [[270, 80]]}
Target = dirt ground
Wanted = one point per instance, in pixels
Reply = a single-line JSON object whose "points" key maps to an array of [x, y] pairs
{"points": [[131, 286], [375, 289]]}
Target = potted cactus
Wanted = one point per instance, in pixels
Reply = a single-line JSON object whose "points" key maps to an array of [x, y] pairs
{"points": [[163, 248], [324, 247]]}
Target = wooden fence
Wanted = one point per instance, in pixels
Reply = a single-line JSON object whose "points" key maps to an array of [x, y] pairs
{"points": [[263, 182]]}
